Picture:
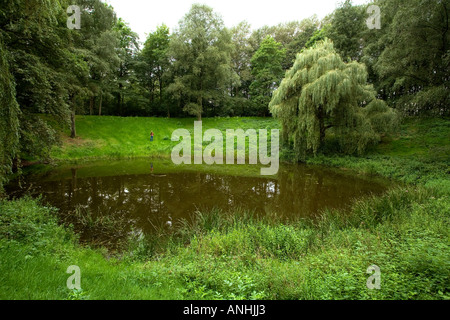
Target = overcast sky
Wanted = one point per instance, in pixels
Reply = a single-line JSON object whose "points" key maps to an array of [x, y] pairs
{"points": [[144, 16]]}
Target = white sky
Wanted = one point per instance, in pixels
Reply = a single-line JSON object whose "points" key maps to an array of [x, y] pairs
{"points": [[144, 16]]}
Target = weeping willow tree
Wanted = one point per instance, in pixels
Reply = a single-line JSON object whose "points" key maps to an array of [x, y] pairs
{"points": [[9, 123], [321, 96]]}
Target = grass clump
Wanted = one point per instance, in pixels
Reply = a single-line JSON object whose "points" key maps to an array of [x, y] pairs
{"points": [[35, 252], [418, 154], [405, 233], [237, 255]]}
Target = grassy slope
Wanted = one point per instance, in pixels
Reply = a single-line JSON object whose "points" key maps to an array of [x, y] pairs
{"points": [[419, 153], [406, 233], [114, 137]]}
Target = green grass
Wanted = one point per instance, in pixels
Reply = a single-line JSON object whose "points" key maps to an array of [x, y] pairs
{"points": [[329, 260], [418, 154], [120, 138], [35, 253], [236, 255]]}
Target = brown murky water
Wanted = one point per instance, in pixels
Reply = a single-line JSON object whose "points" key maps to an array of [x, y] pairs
{"points": [[141, 194]]}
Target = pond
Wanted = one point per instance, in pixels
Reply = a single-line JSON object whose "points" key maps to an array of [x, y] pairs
{"points": [[142, 194]]}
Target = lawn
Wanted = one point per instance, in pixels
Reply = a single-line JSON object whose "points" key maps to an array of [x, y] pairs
{"points": [[119, 138]]}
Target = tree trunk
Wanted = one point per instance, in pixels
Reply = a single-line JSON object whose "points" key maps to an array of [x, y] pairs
{"points": [[120, 100], [445, 30], [322, 124], [73, 130], [200, 103], [100, 105], [179, 104], [322, 133], [200, 99], [91, 106], [161, 97]]}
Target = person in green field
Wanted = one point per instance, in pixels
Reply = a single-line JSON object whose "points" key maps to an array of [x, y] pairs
{"points": [[151, 136]]}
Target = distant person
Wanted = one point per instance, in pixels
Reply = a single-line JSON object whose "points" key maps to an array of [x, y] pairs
{"points": [[151, 136], [151, 166]]}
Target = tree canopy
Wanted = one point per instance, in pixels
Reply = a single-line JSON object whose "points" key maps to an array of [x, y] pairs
{"points": [[152, 67], [323, 96], [9, 117], [201, 53], [414, 66], [267, 70]]}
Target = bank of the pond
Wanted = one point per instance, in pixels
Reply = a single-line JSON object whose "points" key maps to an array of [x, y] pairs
{"points": [[122, 138], [235, 256], [419, 153]]}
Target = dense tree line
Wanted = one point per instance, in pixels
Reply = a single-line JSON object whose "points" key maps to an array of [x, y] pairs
{"points": [[201, 68], [408, 58]]}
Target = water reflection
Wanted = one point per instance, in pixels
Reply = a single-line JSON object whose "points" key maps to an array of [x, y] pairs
{"points": [[152, 199]]}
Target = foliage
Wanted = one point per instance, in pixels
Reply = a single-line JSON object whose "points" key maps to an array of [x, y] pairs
{"points": [[237, 255], [318, 35], [25, 221], [34, 42], [414, 65], [267, 71], [100, 69], [35, 253], [417, 154], [152, 69], [250, 258], [128, 47], [347, 25], [322, 92], [308, 28], [240, 57], [97, 45], [9, 117], [203, 69], [201, 51], [53, 69]]}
